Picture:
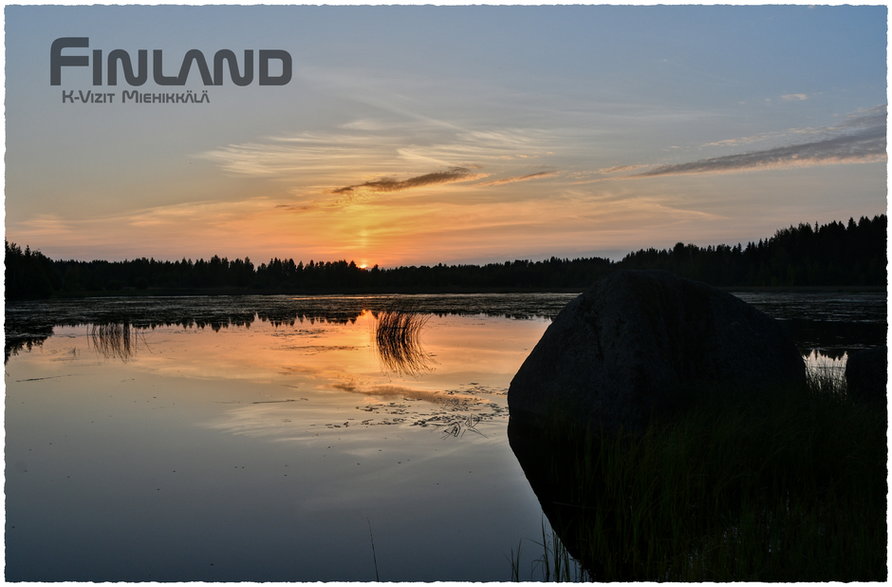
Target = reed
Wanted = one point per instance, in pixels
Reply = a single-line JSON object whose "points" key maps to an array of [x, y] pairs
{"points": [[114, 340], [556, 564], [374, 555], [783, 486], [397, 342]]}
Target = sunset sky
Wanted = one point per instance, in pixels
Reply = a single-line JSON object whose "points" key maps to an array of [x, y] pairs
{"points": [[418, 135]]}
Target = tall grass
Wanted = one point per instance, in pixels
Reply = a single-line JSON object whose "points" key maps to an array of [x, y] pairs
{"points": [[777, 486], [374, 555], [114, 340], [397, 341], [555, 565]]}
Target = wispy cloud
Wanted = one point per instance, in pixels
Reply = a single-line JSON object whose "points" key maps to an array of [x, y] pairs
{"points": [[45, 225], [389, 146], [862, 119], [619, 169], [794, 97], [737, 141], [859, 138], [374, 156], [520, 178], [388, 184], [865, 146]]}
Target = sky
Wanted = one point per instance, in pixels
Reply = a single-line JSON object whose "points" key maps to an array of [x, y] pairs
{"points": [[420, 135]]}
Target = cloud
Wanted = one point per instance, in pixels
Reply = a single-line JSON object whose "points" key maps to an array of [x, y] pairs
{"points": [[862, 147], [794, 97], [205, 227], [370, 146], [861, 119], [492, 146], [395, 185], [865, 118], [858, 139], [743, 140], [619, 168], [44, 225], [519, 178]]}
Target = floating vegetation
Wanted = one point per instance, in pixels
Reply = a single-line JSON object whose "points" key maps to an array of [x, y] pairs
{"points": [[455, 416], [459, 426], [396, 339]]}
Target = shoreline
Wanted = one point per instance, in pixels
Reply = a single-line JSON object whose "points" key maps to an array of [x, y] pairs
{"points": [[209, 292]]}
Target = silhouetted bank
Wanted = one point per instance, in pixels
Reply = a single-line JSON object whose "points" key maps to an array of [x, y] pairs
{"points": [[672, 433], [829, 255]]}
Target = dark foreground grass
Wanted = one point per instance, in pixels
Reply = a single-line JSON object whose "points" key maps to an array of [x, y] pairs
{"points": [[555, 565], [783, 486]]}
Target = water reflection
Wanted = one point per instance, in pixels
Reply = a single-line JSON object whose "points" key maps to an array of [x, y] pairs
{"points": [[832, 321], [396, 338], [826, 371], [256, 448], [330, 375], [397, 342], [115, 340], [553, 465], [185, 406], [30, 323], [826, 362]]}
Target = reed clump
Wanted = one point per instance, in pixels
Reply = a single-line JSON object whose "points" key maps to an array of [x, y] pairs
{"points": [[398, 343], [114, 340], [555, 564]]}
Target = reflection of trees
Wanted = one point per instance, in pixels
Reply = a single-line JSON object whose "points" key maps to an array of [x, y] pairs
{"points": [[114, 340], [397, 342], [15, 345], [30, 323]]}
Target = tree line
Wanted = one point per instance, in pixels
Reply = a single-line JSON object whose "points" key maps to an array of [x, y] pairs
{"points": [[831, 254]]}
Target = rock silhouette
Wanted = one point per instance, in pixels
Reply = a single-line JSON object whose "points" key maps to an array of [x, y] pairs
{"points": [[638, 342]]}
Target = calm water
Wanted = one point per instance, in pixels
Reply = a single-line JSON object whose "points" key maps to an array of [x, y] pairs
{"points": [[277, 438]]}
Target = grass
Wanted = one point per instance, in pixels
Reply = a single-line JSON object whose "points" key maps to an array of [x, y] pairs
{"points": [[555, 565], [784, 486], [114, 340], [397, 342], [374, 555]]}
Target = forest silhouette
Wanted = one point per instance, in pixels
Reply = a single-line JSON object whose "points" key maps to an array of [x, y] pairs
{"points": [[834, 254]]}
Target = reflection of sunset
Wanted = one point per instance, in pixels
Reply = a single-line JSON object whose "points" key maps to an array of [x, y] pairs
{"points": [[318, 373], [271, 425]]}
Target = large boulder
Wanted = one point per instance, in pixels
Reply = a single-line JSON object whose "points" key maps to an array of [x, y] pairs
{"points": [[866, 374], [638, 342]]}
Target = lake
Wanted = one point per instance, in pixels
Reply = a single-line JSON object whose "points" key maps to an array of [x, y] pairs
{"points": [[293, 438]]}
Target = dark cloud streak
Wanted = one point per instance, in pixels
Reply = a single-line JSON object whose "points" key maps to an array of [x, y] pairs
{"points": [[863, 146], [395, 185]]}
